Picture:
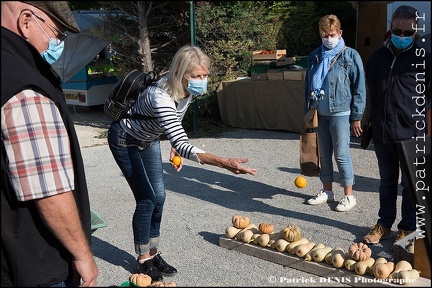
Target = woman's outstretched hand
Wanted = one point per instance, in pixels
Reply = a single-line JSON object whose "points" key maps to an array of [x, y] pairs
{"points": [[235, 166]]}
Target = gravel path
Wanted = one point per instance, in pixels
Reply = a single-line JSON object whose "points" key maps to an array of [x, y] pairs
{"points": [[202, 199]]}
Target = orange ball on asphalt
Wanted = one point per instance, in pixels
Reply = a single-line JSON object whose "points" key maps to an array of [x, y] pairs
{"points": [[300, 182], [176, 160]]}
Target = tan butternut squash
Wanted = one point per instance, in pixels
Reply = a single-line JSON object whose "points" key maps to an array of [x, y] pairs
{"points": [[377, 261], [274, 237], [338, 258], [255, 238], [264, 240], [309, 255], [350, 264], [281, 245], [410, 247], [292, 245], [248, 227], [361, 268], [383, 270], [408, 276], [328, 258], [401, 265], [320, 253], [302, 249], [247, 236], [231, 231]]}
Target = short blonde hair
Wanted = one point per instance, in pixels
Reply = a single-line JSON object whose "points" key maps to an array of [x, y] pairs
{"points": [[185, 60], [328, 23]]}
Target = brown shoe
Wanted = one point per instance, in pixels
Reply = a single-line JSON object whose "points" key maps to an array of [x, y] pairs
{"points": [[376, 234], [402, 234]]}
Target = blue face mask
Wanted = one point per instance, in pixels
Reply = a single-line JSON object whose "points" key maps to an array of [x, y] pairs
{"points": [[197, 86], [54, 51], [401, 43]]}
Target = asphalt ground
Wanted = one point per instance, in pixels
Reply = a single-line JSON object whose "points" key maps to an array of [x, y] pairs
{"points": [[201, 200]]}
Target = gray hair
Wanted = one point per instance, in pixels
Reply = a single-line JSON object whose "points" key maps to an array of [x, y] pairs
{"points": [[405, 12]]}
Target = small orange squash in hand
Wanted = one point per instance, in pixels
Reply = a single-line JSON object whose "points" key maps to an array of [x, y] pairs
{"points": [[359, 251], [292, 233], [176, 160], [240, 221], [266, 228]]}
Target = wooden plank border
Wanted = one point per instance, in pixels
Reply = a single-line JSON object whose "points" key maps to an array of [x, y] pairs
{"points": [[322, 269]]}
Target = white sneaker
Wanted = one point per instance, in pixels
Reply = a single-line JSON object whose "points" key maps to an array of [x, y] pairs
{"points": [[321, 197], [346, 203]]}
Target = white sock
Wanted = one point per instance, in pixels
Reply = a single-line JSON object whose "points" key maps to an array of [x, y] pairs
{"points": [[141, 261], [350, 196]]}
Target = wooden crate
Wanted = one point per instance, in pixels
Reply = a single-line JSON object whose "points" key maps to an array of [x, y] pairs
{"points": [[277, 55], [287, 61], [323, 270]]}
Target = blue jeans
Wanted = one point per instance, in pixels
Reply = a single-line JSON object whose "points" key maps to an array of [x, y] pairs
{"points": [[141, 165], [334, 136], [388, 164]]}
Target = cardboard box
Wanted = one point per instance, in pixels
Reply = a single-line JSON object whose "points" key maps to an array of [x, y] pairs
{"points": [[294, 75], [287, 61]]}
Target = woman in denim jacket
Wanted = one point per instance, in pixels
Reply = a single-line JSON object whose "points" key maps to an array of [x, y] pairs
{"points": [[335, 84]]}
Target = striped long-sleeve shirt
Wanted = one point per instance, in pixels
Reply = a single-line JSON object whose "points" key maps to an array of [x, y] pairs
{"points": [[156, 102]]}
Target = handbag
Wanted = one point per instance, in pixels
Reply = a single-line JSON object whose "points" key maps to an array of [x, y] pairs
{"points": [[309, 154], [311, 118], [366, 137]]}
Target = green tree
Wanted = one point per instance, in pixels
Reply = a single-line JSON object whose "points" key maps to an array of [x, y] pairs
{"points": [[146, 35], [300, 29]]}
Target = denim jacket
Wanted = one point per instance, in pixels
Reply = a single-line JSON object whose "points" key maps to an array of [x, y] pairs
{"points": [[345, 82]]}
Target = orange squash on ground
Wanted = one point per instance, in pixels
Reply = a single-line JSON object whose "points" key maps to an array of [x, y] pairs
{"points": [[140, 279], [266, 228]]}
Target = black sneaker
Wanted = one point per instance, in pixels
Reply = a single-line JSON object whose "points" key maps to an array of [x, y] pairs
{"points": [[162, 266], [149, 268]]}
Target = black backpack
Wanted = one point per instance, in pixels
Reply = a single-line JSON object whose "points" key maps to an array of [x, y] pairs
{"points": [[125, 92]]}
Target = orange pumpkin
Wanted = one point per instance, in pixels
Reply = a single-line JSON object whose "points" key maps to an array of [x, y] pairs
{"points": [[291, 233], [359, 251], [140, 279], [266, 228], [240, 222]]}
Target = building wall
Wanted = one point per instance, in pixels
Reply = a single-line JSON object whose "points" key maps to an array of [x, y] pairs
{"points": [[371, 26]]}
